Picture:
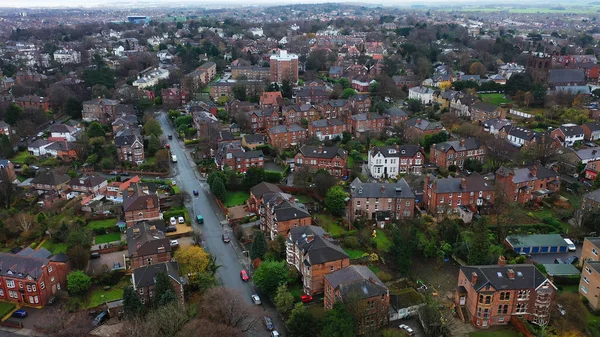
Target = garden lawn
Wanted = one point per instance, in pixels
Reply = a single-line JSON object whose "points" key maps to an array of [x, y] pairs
{"points": [[5, 308], [106, 223], [495, 99], [355, 253], [507, 331], [106, 238], [329, 224], [303, 198], [383, 242], [350, 162], [19, 158], [55, 248], [114, 293], [235, 198]]}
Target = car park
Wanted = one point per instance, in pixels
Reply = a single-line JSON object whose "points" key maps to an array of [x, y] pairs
{"points": [[101, 318], [269, 323], [21, 313], [244, 275], [572, 260], [256, 299], [181, 219], [172, 221], [407, 329]]}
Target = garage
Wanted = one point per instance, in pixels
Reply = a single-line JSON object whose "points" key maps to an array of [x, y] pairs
{"points": [[537, 243]]}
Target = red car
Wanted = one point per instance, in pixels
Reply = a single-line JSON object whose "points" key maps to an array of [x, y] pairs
{"points": [[244, 275], [168, 146], [306, 298]]}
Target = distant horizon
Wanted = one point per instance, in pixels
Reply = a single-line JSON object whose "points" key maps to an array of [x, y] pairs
{"points": [[140, 4]]}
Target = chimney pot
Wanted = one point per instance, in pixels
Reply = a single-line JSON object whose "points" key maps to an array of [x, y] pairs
{"points": [[502, 261], [474, 277], [463, 183], [511, 274]]}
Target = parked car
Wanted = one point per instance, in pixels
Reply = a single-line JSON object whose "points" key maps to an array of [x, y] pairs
{"points": [[407, 329], [571, 245], [244, 275], [114, 173], [170, 136], [181, 219], [94, 255], [226, 237], [126, 174], [306, 298], [268, 323], [256, 299], [174, 243], [559, 261], [101, 318], [275, 333], [21, 313], [172, 221], [196, 192], [170, 229], [199, 219], [572, 260], [168, 146]]}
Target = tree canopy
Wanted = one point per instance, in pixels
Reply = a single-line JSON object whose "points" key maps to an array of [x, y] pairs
{"points": [[192, 260], [335, 201], [270, 275], [78, 283]]}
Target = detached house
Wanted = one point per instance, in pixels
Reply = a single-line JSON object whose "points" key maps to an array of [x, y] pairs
{"points": [[91, 184], [518, 136], [332, 159], [50, 180], [284, 136], [326, 129], [310, 250], [258, 193], [144, 280], [492, 295], [147, 245], [130, 145], [381, 202], [33, 102], [174, 97], [366, 122], [140, 203], [457, 152], [568, 134], [422, 94], [418, 127], [272, 100], [62, 132], [359, 283], [591, 131], [395, 116], [481, 112], [390, 161], [101, 109], [529, 183], [281, 212]]}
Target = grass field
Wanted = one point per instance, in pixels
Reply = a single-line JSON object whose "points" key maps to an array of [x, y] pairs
{"points": [[114, 293], [55, 248], [383, 242], [106, 223], [106, 238], [355, 253], [5, 308], [496, 332], [329, 224], [19, 158], [235, 198], [495, 99]]}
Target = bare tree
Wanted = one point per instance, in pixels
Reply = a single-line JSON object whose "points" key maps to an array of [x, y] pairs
{"points": [[165, 321], [58, 322], [206, 328], [25, 221], [224, 306]]}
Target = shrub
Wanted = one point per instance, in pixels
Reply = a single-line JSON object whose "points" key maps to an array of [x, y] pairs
{"points": [[351, 243], [383, 276], [273, 177], [111, 278]]}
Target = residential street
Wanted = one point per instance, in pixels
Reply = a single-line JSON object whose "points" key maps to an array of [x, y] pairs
{"points": [[228, 255]]}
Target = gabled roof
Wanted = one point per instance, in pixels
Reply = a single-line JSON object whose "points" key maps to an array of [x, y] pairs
{"points": [[566, 75], [127, 137], [284, 208], [401, 189], [50, 177], [309, 151], [569, 131], [395, 112], [314, 244], [356, 280], [263, 188], [527, 276], [496, 123], [367, 116], [271, 98], [424, 124], [519, 132], [61, 128], [335, 102], [146, 276], [286, 128], [466, 145], [485, 107], [87, 181], [474, 183], [254, 139], [593, 126], [145, 239], [526, 173], [137, 198], [321, 123], [393, 151]]}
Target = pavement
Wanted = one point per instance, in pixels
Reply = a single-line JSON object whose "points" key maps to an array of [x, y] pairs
{"points": [[229, 256]]}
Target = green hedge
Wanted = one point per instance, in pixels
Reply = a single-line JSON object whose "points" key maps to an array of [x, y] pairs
{"points": [[191, 141], [566, 280], [273, 177]]}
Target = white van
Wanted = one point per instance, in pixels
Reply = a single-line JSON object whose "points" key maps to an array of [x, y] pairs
{"points": [[571, 245]]}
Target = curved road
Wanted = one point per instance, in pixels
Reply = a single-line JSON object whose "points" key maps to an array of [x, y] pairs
{"points": [[227, 254]]}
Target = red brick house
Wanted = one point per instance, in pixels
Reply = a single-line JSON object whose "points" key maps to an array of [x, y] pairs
{"points": [[591, 169], [146, 245], [310, 250], [262, 120], [258, 193], [381, 202], [359, 104], [130, 145], [332, 159], [453, 195], [456, 152], [33, 102], [140, 204], [32, 277], [272, 100], [280, 213], [492, 295], [174, 97], [144, 279], [295, 114], [481, 112], [395, 116], [246, 159], [591, 131], [101, 109], [286, 136], [92, 184], [364, 123], [50, 180], [326, 129], [9, 167], [359, 282], [335, 108], [528, 183], [417, 127]]}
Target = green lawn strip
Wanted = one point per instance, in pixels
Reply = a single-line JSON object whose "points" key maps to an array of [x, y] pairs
{"points": [[176, 189], [496, 332], [296, 290], [55, 248], [106, 223], [114, 293], [495, 99], [383, 242], [106, 238], [303, 198], [329, 224], [570, 288], [350, 162], [355, 253], [235, 198], [5, 308], [19, 158]]}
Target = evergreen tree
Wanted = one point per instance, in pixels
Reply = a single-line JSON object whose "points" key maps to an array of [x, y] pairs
{"points": [[259, 246], [338, 322], [6, 148], [479, 249], [404, 245], [132, 305], [302, 323], [335, 201], [95, 130], [13, 113], [284, 300], [218, 188], [163, 290]]}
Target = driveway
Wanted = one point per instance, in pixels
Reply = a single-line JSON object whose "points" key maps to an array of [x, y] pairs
{"points": [[34, 315], [549, 258], [413, 323], [95, 265]]}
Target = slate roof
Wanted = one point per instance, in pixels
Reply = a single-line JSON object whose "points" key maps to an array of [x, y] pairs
{"points": [[286, 209], [470, 78], [138, 200], [395, 112], [254, 139], [50, 177], [594, 265], [146, 276], [312, 242], [475, 183], [248, 154], [286, 128], [496, 123], [566, 76], [358, 281], [401, 189], [526, 276], [310, 151], [61, 128], [468, 145], [593, 126], [424, 124], [146, 239], [486, 107], [593, 195], [25, 263], [87, 181], [395, 151], [61, 146], [321, 123], [366, 116], [525, 173], [571, 131], [519, 132], [335, 103], [226, 135], [128, 136], [267, 111], [263, 188]]}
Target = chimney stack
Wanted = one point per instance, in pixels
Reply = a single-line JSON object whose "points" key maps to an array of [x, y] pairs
{"points": [[149, 203], [501, 261], [533, 171], [462, 142], [320, 149], [382, 189], [310, 237], [474, 278], [463, 183], [511, 274]]}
